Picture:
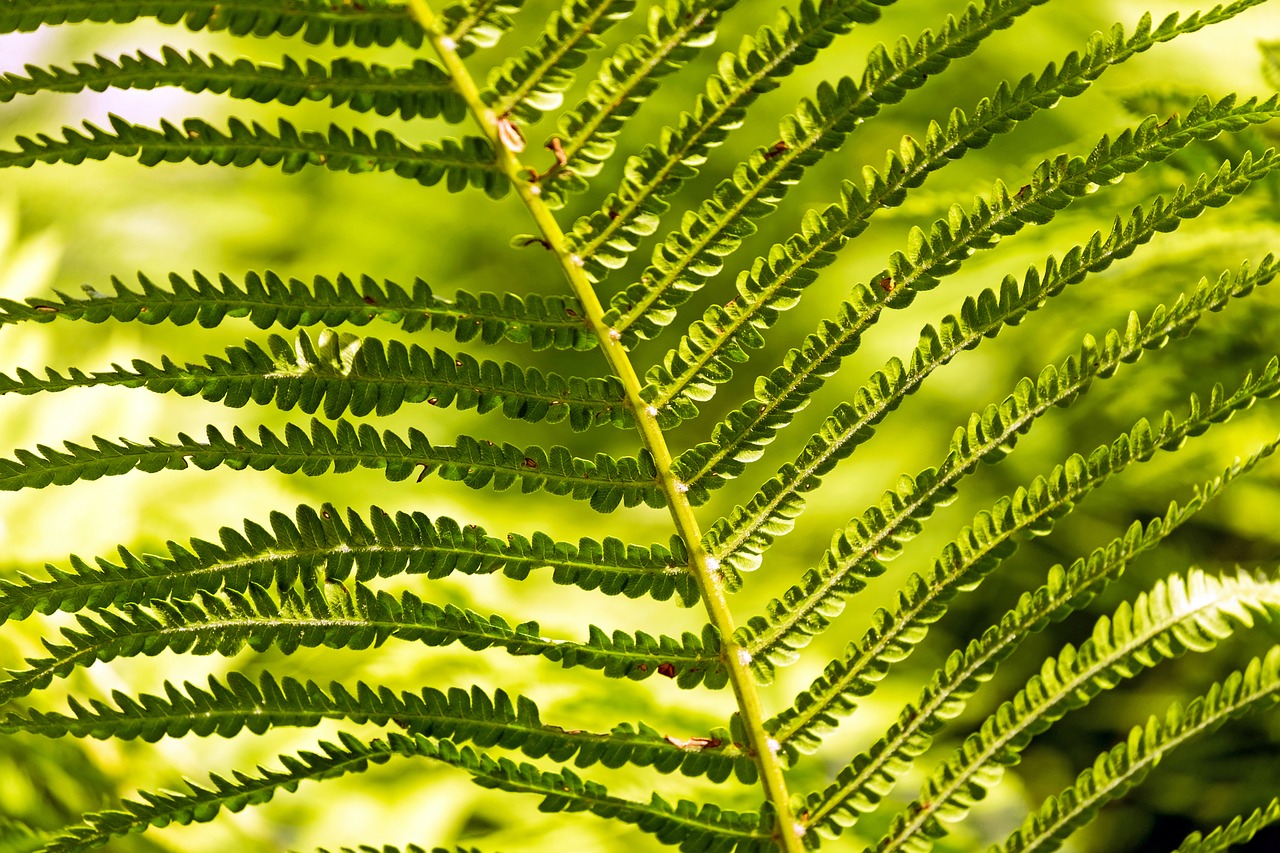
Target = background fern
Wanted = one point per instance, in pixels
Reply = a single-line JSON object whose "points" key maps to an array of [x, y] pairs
{"points": [[579, 402]]}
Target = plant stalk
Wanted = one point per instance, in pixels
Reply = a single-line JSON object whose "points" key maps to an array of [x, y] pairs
{"points": [[788, 832]]}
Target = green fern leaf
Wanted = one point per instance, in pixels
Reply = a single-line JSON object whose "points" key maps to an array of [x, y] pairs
{"points": [[533, 81], [774, 283], [314, 21], [268, 300], [603, 239], [563, 791], [865, 780], [605, 481], [225, 709], [1114, 773], [1239, 831], [739, 540], [419, 90], [317, 546], [202, 804], [1177, 616], [695, 253], [458, 163], [226, 623], [347, 374], [708, 827], [786, 389], [980, 548], [586, 135], [478, 23]]}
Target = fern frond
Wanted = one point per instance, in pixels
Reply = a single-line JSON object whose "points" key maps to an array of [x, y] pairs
{"points": [[314, 21], [322, 546], [587, 133], [689, 256], [268, 300], [348, 374], [1239, 831], [604, 239], [782, 392], [694, 827], [533, 81], [1123, 767], [478, 23], [865, 780], [337, 618], [419, 90], [202, 804], [740, 539], [459, 163], [980, 548], [704, 356], [1176, 616], [226, 709], [605, 481], [707, 826], [982, 317]]}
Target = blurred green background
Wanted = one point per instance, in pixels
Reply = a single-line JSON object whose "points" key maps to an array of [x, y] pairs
{"points": [[64, 227]]}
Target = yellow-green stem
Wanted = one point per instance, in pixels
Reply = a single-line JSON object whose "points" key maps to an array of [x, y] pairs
{"points": [[736, 658]]}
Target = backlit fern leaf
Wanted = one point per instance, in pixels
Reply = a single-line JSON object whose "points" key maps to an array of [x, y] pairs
{"points": [[871, 774], [421, 89], [373, 22], [324, 590], [340, 618], [688, 257], [478, 23], [532, 82], [345, 374], [227, 708], [702, 359], [604, 239], [587, 134], [563, 791], [349, 755], [605, 482], [786, 389], [740, 540], [981, 547], [1177, 616], [458, 163], [1239, 831], [323, 546], [1127, 764], [860, 786], [268, 300]]}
